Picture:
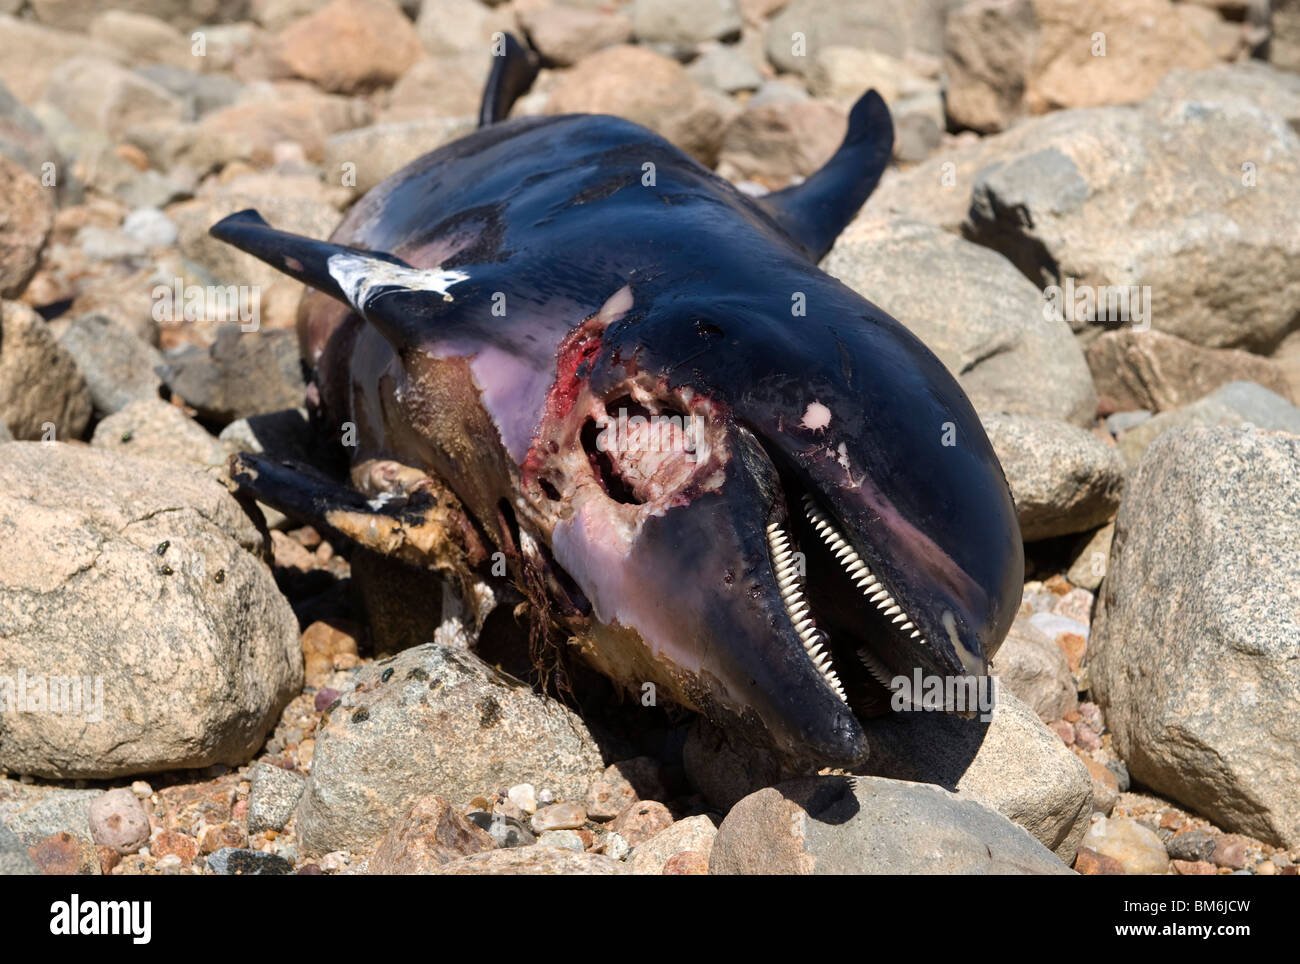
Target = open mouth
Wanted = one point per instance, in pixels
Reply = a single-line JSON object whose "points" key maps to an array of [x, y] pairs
{"points": [[851, 625]]}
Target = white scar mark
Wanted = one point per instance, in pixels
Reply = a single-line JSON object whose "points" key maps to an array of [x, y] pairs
{"points": [[816, 417], [358, 276], [616, 306]]}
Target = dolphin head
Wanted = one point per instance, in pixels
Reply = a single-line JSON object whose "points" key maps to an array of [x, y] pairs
{"points": [[776, 515]]}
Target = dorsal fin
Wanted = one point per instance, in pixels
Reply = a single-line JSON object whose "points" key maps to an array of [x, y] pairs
{"points": [[513, 71], [394, 297], [816, 211]]}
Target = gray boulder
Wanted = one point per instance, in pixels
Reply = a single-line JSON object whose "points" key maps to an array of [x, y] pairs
{"points": [[1193, 649], [119, 367], [869, 825], [40, 383], [434, 719], [974, 310], [1236, 403], [170, 645], [1012, 764], [1063, 478], [1033, 668]]}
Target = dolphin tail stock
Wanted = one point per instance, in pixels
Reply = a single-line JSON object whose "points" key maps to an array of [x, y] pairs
{"points": [[815, 212], [513, 72]]}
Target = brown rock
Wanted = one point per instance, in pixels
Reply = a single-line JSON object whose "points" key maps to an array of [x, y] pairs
{"points": [[97, 93], [641, 821], [1074, 647], [1193, 868], [108, 859], [1092, 864], [324, 645], [1105, 788], [1005, 58], [691, 835], [39, 381], [1230, 851], [222, 835], [251, 131], [431, 835], [609, 795], [350, 45], [687, 863], [1137, 847], [31, 52], [645, 87], [63, 854], [559, 816], [1155, 371], [566, 34], [546, 861], [26, 216], [778, 141], [168, 842]]}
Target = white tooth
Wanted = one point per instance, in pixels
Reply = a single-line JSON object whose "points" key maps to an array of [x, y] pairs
{"points": [[915, 633], [900, 618], [892, 610]]}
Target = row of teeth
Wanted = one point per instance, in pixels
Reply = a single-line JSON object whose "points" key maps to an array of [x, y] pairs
{"points": [[787, 580], [858, 571]]}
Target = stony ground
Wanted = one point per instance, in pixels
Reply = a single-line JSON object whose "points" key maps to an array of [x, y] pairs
{"points": [[274, 704]]}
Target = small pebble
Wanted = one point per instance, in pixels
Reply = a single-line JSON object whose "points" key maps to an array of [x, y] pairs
{"points": [[523, 796], [559, 816]]}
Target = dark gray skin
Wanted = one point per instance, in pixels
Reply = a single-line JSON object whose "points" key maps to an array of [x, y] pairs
{"points": [[589, 286]]}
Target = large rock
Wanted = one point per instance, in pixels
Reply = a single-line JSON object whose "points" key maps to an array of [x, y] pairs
{"points": [[244, 373], [974, 310], [377, 151], [1054, 194], [644, 87], [1237, 403], [1248, 83], [1035, 670], [26, 216], [1012, 764], [431, 835], [451, 27], [565, 34], [119, 368], [1216, 272], [869, 825], [681, 24], [804, 27], [156, 429], [1063, 478], [1004, 58], [40, 383], [1284, 47], [780, 141], [97, 93], [172, 646], [30, 53], [1154, 371], [250, 130], [434, 719], [1208, 538], [350, 45]]}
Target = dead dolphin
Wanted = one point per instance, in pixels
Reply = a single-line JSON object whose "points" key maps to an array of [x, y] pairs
{"points": [[723, 472]]}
